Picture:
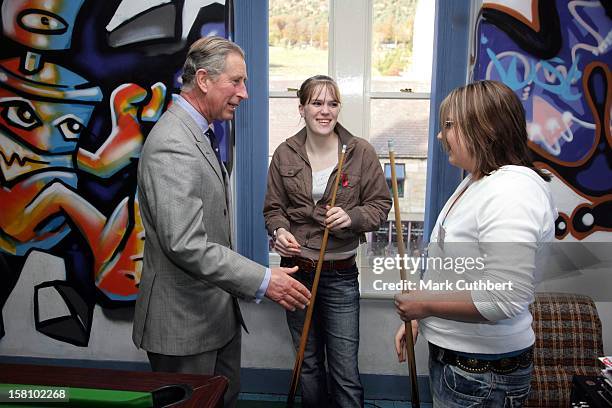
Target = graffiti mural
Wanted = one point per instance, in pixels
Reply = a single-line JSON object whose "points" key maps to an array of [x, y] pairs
{"points": [[81, 84], [556, 56]]}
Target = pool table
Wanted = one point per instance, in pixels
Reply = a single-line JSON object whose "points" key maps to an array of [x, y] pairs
{"points": [[107, 388]]}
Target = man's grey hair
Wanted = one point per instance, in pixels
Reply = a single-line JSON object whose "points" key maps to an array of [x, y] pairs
{"points": [[207, 53]]}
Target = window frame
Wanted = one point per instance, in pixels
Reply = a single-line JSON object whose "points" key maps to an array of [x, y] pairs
{"points": [[452, 24], [350, 56]]}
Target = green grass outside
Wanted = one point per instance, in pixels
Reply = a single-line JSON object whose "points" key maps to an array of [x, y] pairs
{"points": [[297, 62]]}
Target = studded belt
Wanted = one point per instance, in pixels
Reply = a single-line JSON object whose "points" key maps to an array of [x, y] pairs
{"points": [[504, 365], [310, 265]]}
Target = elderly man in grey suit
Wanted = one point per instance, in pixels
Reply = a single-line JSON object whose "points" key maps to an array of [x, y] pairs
{"points": [[187, 316]]}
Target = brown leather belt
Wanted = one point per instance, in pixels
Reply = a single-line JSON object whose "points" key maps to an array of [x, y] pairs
{"points": [[310, 265], [505, 365]]}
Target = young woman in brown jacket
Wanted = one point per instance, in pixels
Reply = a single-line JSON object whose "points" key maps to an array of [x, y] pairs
{"points": [[296, 211]]}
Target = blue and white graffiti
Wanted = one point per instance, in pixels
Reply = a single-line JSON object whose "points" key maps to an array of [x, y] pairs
{"points": [[556, 56]]}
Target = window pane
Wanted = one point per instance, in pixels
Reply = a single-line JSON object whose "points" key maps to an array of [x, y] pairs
{"points": [[399, 175], [285, 121], [298, 38], [399, 171], [402, 45]]}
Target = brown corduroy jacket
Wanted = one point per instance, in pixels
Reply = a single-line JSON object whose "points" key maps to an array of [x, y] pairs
{"points": [[363, 193]]}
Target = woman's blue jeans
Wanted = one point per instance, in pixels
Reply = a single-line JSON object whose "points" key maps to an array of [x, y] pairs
{"points": [[452, 387], [334, 334]]}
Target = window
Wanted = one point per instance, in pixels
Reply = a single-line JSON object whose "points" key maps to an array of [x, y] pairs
{"points": [[298, 42], [400, 175], [298, 48], [380, 53], [384, 241], [401, 36]]}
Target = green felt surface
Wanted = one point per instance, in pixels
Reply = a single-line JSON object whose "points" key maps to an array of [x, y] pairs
{"points": [[76, 397]]}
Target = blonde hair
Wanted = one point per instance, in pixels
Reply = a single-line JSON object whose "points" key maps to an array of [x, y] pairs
{"points": [[318, 83], [490, 120], [208, 53]]}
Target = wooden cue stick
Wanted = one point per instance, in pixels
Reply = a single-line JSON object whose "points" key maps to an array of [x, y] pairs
{"points": [[401, 250], [313, 294]]}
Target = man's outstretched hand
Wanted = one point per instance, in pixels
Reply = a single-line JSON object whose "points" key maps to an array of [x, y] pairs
{"points": [[286, 291]]}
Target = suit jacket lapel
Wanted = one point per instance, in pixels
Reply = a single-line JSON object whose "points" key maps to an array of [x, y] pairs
{"points": [[203, 145]]}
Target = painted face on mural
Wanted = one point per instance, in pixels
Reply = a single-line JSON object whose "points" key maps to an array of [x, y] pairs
{"points": [[224, 93], [46, 126], [455, 147], [38, 135], [321, 112]]}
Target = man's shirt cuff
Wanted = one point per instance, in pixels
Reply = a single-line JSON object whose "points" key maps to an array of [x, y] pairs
{"points": [[261, 292]]}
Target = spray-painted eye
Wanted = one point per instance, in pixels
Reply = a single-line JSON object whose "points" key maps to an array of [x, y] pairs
{"points": [[42, 22], [20, 115], [70, 127]]}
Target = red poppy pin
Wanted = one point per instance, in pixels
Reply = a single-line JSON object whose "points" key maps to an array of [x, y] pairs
{"points": [[344, 180]]}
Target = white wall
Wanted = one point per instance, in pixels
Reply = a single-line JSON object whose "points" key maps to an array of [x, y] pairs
{"points": [[269, 346], [111, 339]]}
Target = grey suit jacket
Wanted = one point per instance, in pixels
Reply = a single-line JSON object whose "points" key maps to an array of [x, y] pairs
{"points": [[186, 303]]}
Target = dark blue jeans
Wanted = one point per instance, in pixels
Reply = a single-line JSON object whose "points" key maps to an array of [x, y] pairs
{"points": [[452, 387], [334, 333]]}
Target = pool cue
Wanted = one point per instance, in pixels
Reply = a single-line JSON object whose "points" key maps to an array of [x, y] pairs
{"points": [[297, 368], [401, 250]]}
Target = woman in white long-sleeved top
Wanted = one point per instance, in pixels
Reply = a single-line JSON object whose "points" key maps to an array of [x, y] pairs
{"points": [[483, 254]]}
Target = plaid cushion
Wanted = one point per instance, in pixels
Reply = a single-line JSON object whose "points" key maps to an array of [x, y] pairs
{"points": [[568, 342]]}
